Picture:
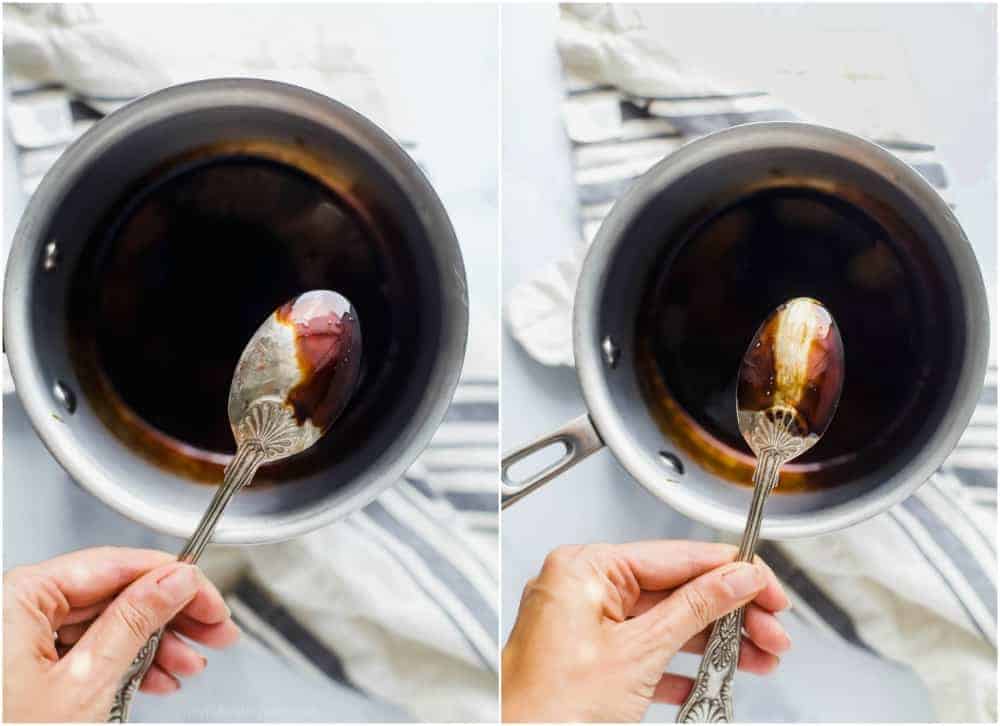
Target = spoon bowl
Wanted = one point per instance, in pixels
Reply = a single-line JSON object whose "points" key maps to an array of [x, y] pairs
{"points": [[303, 364], [791, 376]]}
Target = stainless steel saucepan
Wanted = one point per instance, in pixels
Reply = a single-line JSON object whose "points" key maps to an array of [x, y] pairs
{"points": [[320, 138], [640, 232]]}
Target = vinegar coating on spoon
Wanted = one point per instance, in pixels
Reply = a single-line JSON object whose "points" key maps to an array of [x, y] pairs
{"points": [[306, 358], [794, 369], [327, 339]]}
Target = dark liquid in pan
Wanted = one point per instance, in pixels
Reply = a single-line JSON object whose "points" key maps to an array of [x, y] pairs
{"points": [[704, 305], [187, 269]]}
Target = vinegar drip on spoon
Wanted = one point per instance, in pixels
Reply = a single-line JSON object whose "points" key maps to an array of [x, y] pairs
{"points": [[327, 339], [792, 373]]}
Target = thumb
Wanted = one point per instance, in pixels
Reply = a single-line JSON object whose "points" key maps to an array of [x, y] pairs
{"points": [[694, 606], [111, 643]]}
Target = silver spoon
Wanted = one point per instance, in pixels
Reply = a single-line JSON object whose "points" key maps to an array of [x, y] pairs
{"points": [[789, 387], [291, 383]]}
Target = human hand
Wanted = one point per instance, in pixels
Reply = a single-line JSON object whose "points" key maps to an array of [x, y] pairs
{"points": [[73, 624], [598, 626]]}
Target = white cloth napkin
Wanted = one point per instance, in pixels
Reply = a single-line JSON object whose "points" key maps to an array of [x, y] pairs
{"points": [[917, 584], [109, 55], [399, 600]]}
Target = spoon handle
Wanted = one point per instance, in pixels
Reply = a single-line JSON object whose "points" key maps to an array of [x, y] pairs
{"points": [[711, 699], [239, 473]]}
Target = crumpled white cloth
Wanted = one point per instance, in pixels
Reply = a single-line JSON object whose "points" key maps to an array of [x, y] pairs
{"points": [[344, 584], [891, 589], [111, 54], [900, 611]]}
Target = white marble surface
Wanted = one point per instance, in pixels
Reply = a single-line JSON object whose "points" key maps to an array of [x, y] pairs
{"points": [[953, 59]]}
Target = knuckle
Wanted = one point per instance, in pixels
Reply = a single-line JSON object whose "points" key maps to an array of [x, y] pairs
{"points": [[530, 587], [561, 557], [600, 555], [106, 552], [17, 576], [599, 549], [11, 587], [136, 618], [699, 606], [30, 588]]}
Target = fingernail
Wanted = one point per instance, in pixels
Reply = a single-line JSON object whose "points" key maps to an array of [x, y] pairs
{"points": [[788, 643], [180, 584], [744, 580]]}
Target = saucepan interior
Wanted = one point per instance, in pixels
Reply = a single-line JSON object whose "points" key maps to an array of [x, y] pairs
{"points": [[674, 450], [141, 466]]}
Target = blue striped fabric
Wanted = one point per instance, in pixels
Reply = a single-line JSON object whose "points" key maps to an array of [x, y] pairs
{"points": [[634, 133]]}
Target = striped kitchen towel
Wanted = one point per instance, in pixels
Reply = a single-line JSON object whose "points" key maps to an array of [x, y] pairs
{"points": [[629, 103], [917, 584], [399, 600]]}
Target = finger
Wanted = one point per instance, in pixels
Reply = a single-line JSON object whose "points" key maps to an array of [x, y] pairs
{"points": [[647, 600], [666, 564], [771, 598], [112, 641], [87, 613], [625, 570], [752, 658], [766, 630], [70, 634], [208, 605], [217, 635], [673, 689], [756, 661], [89, 576], [158, 681], [179, 658], [694, 606], [762, 628]]}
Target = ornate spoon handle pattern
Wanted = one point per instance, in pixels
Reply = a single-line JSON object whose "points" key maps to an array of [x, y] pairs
{"points": [[711, 699], [266, 433]]}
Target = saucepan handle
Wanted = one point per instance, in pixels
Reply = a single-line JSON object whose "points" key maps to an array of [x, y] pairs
{"points": [[579, 439]]}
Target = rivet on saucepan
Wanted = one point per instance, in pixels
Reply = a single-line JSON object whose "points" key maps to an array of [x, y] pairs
{"points": [[611, 351], [672, 462], [51, 259], [65, 396]]}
